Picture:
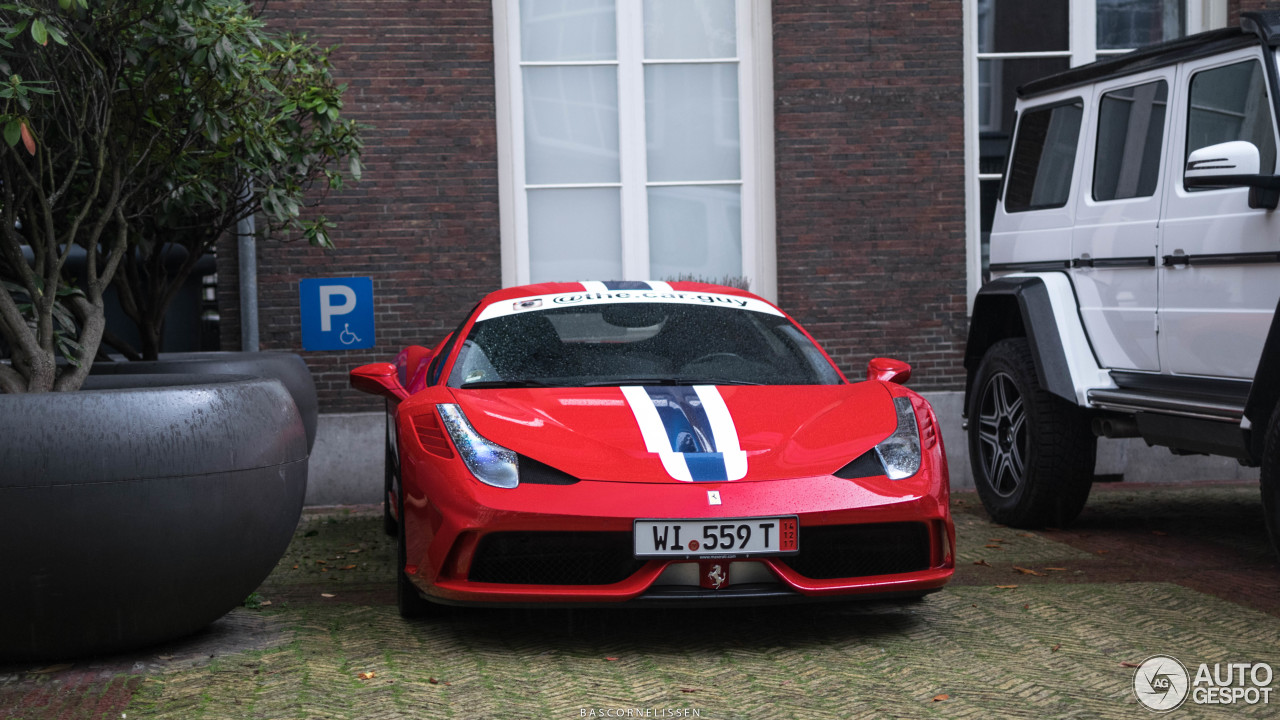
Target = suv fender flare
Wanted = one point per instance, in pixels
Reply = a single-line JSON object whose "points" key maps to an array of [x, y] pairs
{"points": [[1264, 393], [1041, 307]]}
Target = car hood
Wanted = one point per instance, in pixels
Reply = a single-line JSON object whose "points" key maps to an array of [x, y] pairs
{"points": [[632, 434]]}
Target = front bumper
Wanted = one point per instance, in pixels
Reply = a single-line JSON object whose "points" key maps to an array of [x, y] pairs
{"points": [[452, 536]]}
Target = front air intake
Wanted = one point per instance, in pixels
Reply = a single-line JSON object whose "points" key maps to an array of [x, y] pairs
{"points": [[849, 551], [554, 558]]}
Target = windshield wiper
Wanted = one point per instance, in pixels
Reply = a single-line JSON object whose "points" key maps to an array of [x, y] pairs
{"points": [[482, 384], [665, 380], [619, 382]]}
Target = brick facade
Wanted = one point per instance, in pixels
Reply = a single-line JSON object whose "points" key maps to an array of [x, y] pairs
{"points": [[423, 223], [869, 138], [1235, 7], [869, 141]]}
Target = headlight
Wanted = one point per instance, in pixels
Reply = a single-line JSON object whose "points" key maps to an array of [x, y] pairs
{"points": [[900, 452], [491, 463]]}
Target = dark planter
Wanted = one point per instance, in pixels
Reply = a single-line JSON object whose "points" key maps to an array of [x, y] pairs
{"points": [[288, 368], [141, 508]]}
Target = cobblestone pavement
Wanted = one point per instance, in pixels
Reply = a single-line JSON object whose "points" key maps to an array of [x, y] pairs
{"points": [[1035, 624]]}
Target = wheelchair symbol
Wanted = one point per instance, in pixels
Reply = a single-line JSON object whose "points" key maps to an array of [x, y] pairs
{"points": [[346, 336]]}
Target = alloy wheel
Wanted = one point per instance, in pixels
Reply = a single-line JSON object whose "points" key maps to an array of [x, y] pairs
{"points": [[1002, 434]]}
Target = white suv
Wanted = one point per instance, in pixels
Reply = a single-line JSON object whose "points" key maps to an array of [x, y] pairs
{"points": [[1136, 262]]}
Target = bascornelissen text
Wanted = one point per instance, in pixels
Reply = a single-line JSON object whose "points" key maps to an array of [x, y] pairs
{"points": [[635, 712]]}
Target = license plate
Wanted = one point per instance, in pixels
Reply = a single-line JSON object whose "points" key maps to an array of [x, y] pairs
{"points": [[721, 536]]}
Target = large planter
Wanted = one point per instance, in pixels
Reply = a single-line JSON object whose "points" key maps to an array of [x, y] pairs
{"points": [[141, 508], [288, 368]]}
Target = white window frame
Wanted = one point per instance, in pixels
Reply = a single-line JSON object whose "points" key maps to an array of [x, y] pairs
{"points": [[1200, 15], [755, 123]]}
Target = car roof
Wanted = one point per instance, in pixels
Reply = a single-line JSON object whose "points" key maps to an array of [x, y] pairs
{"points": [[555, 288], [1254, 27]]}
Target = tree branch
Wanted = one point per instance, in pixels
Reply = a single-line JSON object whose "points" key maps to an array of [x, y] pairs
{"points": [[11, 381]]}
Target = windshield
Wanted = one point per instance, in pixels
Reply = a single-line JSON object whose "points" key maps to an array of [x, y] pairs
{"points": [[639, 343]]}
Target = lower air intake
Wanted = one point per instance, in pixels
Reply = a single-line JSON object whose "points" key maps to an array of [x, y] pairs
{"points": [[554, 558], [849, 551]]}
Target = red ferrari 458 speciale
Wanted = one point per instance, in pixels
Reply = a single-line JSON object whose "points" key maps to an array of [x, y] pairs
{"points": [[657, 444]]}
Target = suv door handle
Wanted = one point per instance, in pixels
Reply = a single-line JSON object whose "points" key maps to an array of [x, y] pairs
{"points": [[1177, 258]]}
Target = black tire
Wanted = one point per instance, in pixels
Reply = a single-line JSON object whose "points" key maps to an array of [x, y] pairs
{"points": [[389, 465], [408, 599], [1032, 453], [1271, 480]]}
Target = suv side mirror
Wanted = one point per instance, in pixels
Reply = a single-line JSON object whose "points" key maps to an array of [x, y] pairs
{"points": [[1233, 164], [378, 379], [888, 370]]}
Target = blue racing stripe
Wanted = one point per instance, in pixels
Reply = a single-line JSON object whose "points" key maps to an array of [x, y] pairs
{"points": [[707, 466], [689, 430], [627, 285], [682, 415]]}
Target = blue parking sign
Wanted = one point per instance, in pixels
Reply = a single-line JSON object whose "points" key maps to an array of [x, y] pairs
{"points": [[337, 313]]}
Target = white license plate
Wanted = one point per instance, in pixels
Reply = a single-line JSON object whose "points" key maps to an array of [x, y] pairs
{"points": [[720, 536]]}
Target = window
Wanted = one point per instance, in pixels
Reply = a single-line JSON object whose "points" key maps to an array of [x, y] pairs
{"points": [[635, 140], [1126, 24], [1130, 134], [1230, 103], [1044, 158]]}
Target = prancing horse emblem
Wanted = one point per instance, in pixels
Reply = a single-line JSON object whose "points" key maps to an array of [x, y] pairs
{"points": [[716, 576]]}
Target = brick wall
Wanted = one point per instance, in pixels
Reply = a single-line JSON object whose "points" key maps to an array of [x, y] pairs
{"points": [[869, 117], [870, 180], [1235, 7], [424, 221]]}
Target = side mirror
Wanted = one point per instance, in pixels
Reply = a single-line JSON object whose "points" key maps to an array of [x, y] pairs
{"points": [[409, 361], [1232, 164], [378, 379], [888, 370], [1237, 157]]}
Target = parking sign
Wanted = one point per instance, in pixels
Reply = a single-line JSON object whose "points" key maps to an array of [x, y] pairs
{"points": [[337, 313]]}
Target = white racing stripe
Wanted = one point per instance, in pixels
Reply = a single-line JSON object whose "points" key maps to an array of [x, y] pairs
{"points": [[654, 433], [594, 286], [726, 435]]}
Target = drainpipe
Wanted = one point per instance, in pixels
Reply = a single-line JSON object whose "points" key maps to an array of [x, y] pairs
{"points": [[247, 244]]}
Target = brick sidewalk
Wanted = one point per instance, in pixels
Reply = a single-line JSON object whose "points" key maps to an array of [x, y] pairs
{"points": [[1178, 570]]}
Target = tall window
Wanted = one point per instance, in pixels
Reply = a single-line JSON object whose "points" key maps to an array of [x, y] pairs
{"points": [[1230, 103], [636, 140], [1018, 41], [1130, 133], [1041, 169]]}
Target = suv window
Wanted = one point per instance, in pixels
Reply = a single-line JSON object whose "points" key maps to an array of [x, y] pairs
{"points": [[1230, 103], [1130, 135], [1044, 158]]}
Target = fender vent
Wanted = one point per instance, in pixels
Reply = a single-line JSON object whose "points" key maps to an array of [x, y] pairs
{"points": [[431, 434], [928, 423]]}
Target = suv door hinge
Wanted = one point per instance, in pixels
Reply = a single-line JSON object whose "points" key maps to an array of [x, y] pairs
{"points": [[1157, 323]]}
